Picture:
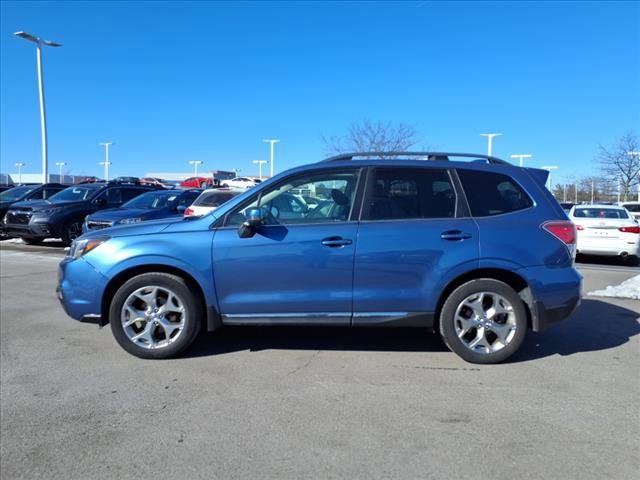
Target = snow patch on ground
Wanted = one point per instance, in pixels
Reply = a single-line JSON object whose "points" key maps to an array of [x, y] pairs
{"points": [[13, 240], [628, 289]]}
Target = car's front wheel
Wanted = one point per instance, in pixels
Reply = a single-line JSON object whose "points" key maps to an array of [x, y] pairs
{"points": [[32, 240], [155, 315], [71, 231], [483, 321]]}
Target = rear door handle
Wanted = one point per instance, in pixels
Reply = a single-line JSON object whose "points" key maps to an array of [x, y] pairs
{"points": [[336, 242], [455, 235]]}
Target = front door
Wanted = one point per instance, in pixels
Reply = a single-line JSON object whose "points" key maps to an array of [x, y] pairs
{"points": [[298, 266]]}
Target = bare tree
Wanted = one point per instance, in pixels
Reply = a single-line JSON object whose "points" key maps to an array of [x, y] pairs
{"points": [[366, 136], [620, 168]]}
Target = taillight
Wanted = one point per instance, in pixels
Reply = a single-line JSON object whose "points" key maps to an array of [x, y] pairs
{"points": [[564, 231], [579, 227], [635, 229], [188, 211]]}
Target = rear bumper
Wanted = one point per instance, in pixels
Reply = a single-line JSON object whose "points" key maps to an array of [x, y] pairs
{"points": [[556, 294], [79, 290]]}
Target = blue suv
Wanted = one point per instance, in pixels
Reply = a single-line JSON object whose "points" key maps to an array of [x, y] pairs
{"points": [[467, 245]]}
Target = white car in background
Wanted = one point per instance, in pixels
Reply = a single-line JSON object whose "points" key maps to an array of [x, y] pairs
{"points": [[209, 200], [633, 207], [241, 182], [606, 230]]}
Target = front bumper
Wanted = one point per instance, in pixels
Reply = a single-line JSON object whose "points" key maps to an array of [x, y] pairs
{"points": [[80, 288], [556, 293], [33, 229]]}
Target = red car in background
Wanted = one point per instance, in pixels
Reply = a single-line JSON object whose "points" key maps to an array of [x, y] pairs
{"points": [[197, 182]]}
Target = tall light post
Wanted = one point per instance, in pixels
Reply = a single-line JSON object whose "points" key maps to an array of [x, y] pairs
{"points": [[490, 137], [43, 117], [106, 162], [521, 156], [195, 164], [60, 165], [260, 163], [20, 165], [550, 168], [272, 142], [636, 153]]}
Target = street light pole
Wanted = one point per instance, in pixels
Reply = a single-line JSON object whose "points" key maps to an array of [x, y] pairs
{"points": [[20, 165], [43, 117], [272, 142], [521, 157], [106, 162], [550, 168], [60, 177], [490, 141], [195, 164], [260, 163]]}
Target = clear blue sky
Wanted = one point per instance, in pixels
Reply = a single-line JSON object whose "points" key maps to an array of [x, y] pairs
{"points": [[172, 82]]}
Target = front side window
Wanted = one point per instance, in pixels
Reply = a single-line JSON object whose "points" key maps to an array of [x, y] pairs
{"points": [[409, 193], [305, 199], [490, 193]]}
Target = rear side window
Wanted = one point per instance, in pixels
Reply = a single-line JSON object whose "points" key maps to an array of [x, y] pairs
{"points": [[491, 193], [405, 193]]}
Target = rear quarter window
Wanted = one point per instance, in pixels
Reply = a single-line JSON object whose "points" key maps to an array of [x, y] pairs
{"points": [[490, 193]]}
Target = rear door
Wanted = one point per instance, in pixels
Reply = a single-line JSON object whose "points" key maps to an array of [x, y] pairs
{"points": [[414, 233]]}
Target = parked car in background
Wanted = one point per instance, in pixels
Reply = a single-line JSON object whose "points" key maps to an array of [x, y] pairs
{"points": [[633, 208], [148, 206], [241, 182], [129, 180], [566, 206], [62, 215], [87, 180], [25, 192], [4, 188], [477, 251], [209, 200], [157, 182], [197, 182], [606, 230]]}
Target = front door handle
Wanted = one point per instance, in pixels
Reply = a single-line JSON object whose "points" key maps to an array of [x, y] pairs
{"points": [[455, 235], [336, 242]]}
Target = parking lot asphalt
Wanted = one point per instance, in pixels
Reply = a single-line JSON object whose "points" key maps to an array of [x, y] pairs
{"points": [[311, 402]]}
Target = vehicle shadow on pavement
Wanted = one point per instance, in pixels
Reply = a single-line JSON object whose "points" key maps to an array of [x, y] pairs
{"points": [[596, 325]]}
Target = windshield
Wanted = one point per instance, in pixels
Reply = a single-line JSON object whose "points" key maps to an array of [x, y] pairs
{"points": [[151, 200], [16, 193], [73, 194], [594, 212]]}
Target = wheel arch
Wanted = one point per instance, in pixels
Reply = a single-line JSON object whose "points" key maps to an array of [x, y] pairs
{"points": [[212, 320], [515, 281]]}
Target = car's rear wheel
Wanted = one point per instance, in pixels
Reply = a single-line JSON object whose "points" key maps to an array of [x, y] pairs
{"points": [[71, 231], [32, 240], [483, 321], [155, 315]]}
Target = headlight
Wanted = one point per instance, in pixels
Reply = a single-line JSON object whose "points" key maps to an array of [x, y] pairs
{"points": [[125, 221], [82, 247]]}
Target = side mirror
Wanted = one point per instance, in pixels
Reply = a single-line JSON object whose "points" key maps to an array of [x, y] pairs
{"points": [[254, 218], [180, 209], [101, 202]]}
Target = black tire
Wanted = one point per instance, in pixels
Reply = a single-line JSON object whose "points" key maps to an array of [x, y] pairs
{"points": [[448, 327], [194, 314], [225, 185], [631, 261], [32, 240], [71, 231]]}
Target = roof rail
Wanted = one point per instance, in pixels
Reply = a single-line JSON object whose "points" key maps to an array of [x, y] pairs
{"points": [[433, 156]]}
